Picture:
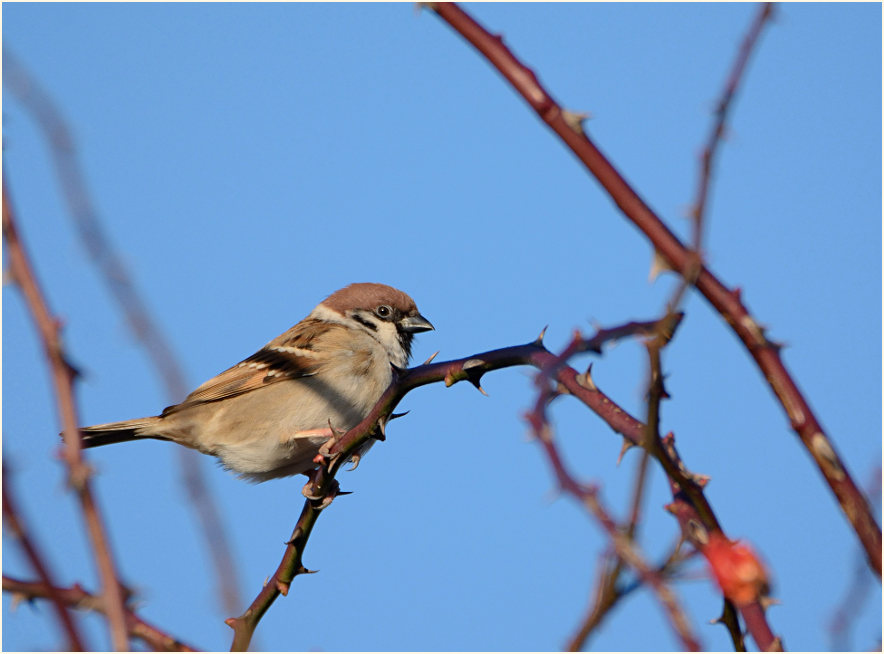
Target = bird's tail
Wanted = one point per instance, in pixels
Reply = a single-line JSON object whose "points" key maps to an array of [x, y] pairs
{"points": [[119, 432]]}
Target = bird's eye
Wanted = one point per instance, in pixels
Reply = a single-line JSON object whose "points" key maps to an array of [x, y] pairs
{"points": [[383, 311]]}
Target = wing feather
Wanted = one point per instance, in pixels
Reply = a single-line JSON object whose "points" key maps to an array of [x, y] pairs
{"points": [[295, 354]]}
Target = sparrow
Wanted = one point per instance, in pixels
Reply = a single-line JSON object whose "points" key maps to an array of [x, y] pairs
{"points": [[267, 416]]}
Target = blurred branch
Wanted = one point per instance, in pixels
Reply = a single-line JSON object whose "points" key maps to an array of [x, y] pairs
{"points": [[14, 522], [605, 597], [765, 11], [690, 506], [568, 126], [76, 597], [63, 379], [146, 332], [622, 542], [609, 590]]}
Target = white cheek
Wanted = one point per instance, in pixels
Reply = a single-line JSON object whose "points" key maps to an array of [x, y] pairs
{"points": [[389, 338]]}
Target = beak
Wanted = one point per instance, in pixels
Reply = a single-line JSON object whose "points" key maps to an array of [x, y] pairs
{"points": [[415, 323]]}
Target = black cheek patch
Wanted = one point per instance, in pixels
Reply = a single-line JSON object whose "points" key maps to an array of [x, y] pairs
{"points": [[365, 323]]}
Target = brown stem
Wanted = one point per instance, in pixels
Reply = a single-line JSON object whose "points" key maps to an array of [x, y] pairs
{"points": [[727, 302], [63, 379], [76, 597]]}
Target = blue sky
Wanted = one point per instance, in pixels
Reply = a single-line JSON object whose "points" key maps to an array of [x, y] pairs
{"points": [[248, 160]]}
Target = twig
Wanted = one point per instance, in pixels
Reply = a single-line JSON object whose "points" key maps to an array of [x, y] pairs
{"points": [[14, 522], [146, 332], [63, 379], [622, 543], [727, 302], [78, 598], [765, 11]]}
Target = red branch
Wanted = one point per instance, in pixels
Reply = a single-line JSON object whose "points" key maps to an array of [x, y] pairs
{"points": [[727, 302], [79, 598], [63, 378]]}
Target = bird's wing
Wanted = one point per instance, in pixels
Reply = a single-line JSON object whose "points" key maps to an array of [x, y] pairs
{"points": [[297, 353]]}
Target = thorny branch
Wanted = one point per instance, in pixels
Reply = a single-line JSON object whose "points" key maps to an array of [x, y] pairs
{"points": [[63, 375], [139, 318], [78, 598], [14, 522], [727, 302], [697, 517]]}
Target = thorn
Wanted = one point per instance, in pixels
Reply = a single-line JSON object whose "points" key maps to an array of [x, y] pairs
{"points": [[230, 622], [658, 265], [393, 416], [339, 493], [472, 363], [355, 459], [585, 380], [561, 389], [575, 120], [267, 579], [701, 480], [672, 509], [767, 601], [737, 294], [18, 599], [74, 372], [304, 571], [696, 532], [479, 387], [539, 339], [756, 330], [432, 356], [627, 444]]}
